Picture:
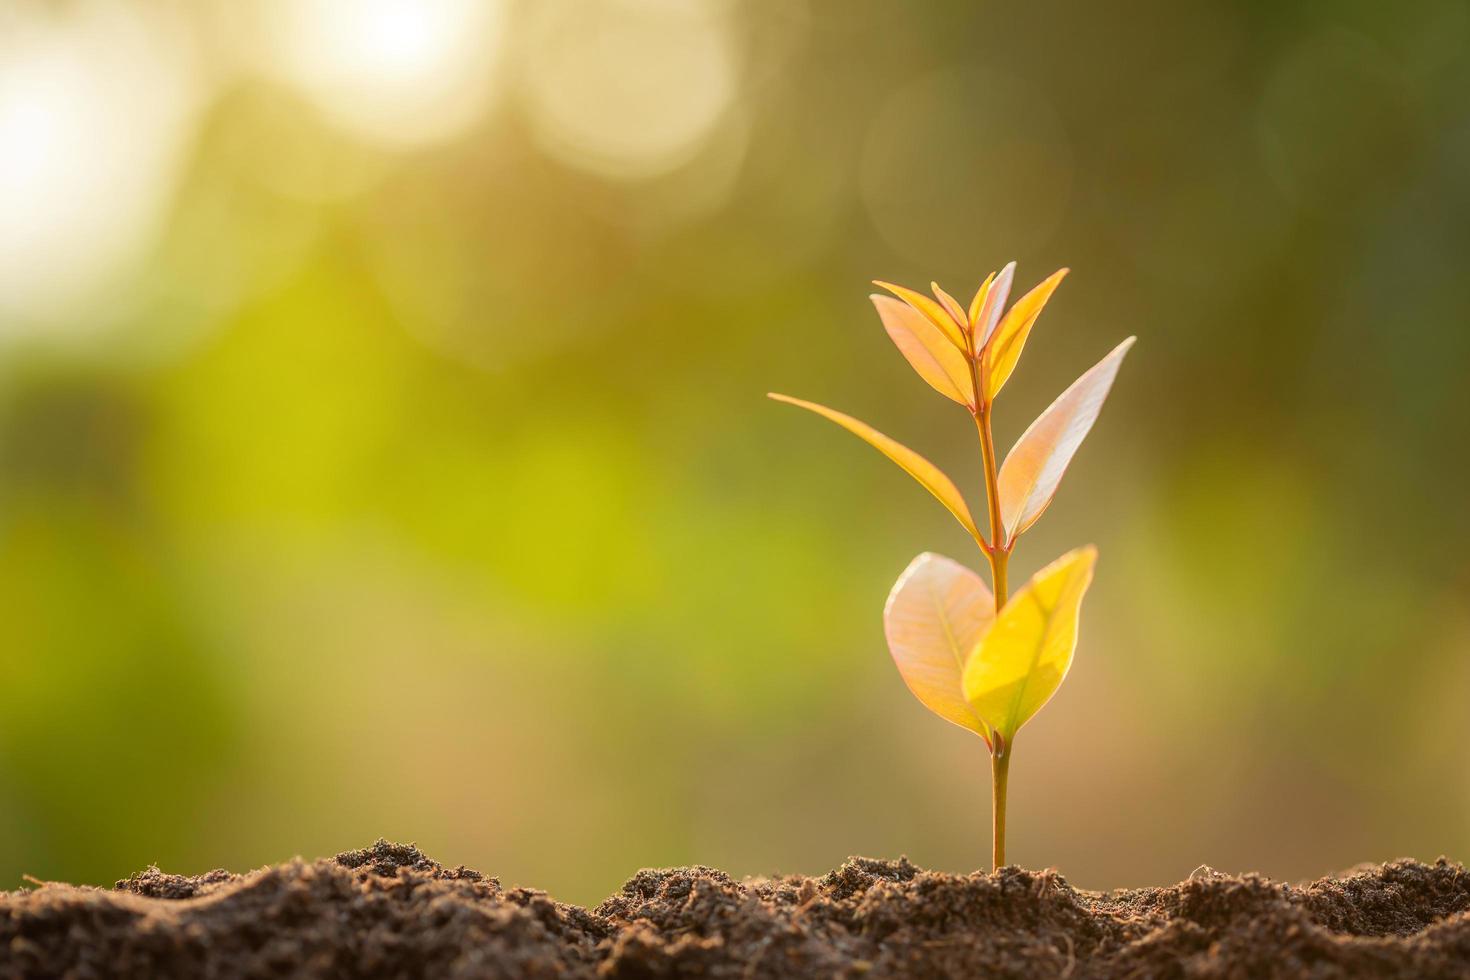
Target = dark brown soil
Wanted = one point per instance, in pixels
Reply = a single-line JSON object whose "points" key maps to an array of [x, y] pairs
{"points": [[389, 911]]}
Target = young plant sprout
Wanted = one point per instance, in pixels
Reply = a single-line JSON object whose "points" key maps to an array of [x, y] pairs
{"points": [[982, 658]]}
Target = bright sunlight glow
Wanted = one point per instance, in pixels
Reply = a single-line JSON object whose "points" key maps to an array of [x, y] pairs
{"points": [[397, 72], [95, 113]]}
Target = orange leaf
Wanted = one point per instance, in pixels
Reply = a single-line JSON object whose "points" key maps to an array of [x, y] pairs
{"points": [[934, 312], [951, 306], [1010, 336], [931, 477], [1034, 467], [928, 350], [934, 618]]}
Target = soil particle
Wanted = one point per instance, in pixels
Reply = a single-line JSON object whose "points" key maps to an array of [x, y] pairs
{"points": [[391, 911]]}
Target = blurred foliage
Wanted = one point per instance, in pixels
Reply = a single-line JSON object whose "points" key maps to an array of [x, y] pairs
{"points": [[406, 472]]}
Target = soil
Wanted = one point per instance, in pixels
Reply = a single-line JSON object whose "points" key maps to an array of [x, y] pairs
{"points": [[390, 911]]}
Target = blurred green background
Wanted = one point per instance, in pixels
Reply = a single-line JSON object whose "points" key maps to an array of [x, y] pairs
{"points": [[383, 448]]}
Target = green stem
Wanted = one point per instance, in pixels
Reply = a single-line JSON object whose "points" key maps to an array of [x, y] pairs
{"points": [[1000, 765]]}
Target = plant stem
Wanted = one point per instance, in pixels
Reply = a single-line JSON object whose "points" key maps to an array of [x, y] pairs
{"points": [[998, 554], [1000, 766]]}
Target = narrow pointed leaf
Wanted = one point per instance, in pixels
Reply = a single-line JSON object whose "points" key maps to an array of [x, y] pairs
{"points": [[951, 306], [935, 615], [992, 306], [978, 303], [928, 351], [1033, 469], [932, 310], [931, 477], [1015, 327], [1025, 655]]}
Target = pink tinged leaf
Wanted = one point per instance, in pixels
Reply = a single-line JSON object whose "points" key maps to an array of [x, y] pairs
{"points": [[1010, 337], [1034, 467], [992, 306], [932, 310], [951, 306], [928, 350], [935, 616], [930, 477]]}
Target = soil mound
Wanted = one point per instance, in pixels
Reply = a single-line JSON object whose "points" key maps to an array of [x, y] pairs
{"points": [[390, 911]]}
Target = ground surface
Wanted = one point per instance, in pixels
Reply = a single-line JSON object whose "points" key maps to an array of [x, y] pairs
{"points": [[389, 911]]}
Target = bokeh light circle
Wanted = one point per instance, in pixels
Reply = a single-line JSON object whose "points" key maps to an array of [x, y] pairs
{"points": [[623, 89]]}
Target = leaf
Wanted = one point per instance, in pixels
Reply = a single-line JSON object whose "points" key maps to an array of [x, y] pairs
{"points": [[935, 615], [1015, 327], [988, 315], [978, 302], [1025, 655], [931, 477], [932, 310], [1035, 464], [929, 351], [952, 307]]}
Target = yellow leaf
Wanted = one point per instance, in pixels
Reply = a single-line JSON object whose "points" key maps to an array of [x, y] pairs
{"points": [[951, 306], [1034, 467], [978, 303], [1025, 655], [935, 615], [931, 477], [1010, 336], [932, 311], [928, 350], [987, 315]]}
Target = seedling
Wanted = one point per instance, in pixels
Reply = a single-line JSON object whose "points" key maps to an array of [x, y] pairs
{"points": [[974, 656]]}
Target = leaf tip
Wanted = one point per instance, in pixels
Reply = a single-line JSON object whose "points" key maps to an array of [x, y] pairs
{"points": [[1122, 348], [1079, 562]]}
